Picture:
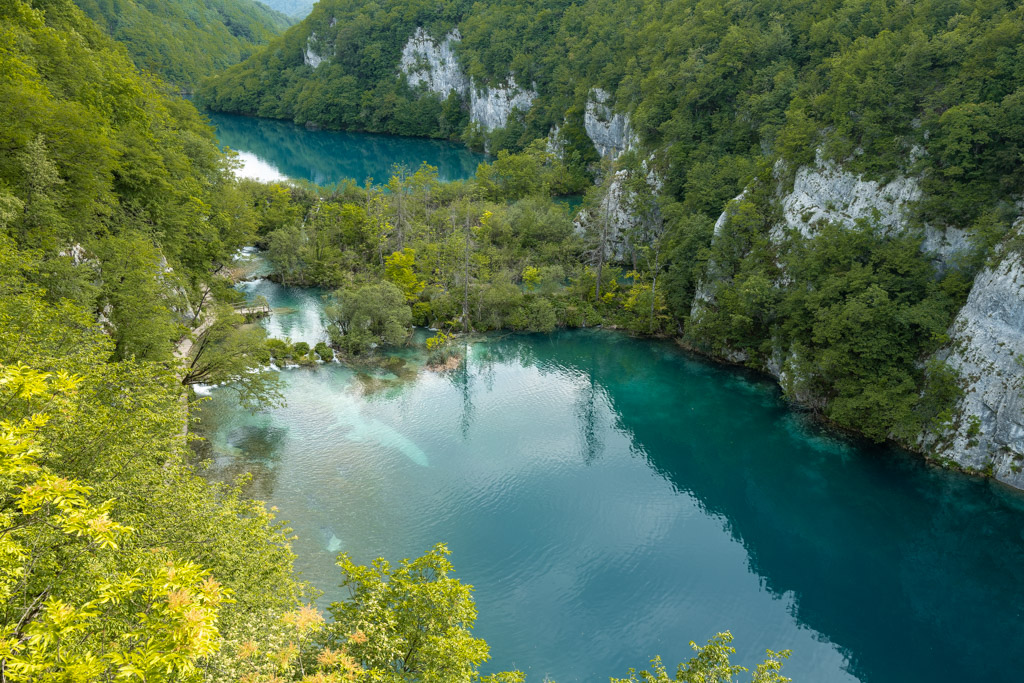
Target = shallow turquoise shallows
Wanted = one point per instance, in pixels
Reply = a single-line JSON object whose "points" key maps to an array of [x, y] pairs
{"points": [[611, 499], [275, 150]]}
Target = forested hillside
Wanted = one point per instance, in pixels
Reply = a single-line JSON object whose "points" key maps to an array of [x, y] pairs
{"points": [[713, 87], [115, 207], [186, 40]]}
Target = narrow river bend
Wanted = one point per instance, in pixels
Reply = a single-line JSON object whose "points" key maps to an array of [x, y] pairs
{"points": [[611, 499]]}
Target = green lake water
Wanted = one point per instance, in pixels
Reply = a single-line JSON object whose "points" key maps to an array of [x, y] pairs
{"points": [[276, 150], [611, 499]]}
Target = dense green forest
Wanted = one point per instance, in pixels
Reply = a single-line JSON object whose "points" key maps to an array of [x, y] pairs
{"points": [[184, 41], [119, 216], [713, 88], [117, 561]]}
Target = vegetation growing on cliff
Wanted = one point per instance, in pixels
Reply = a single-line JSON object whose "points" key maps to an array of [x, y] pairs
{"points": [[724, 97], [711, 87], [491, 253]]}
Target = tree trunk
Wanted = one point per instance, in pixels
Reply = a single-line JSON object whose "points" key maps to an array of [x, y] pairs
{"points": [[465, 282]]}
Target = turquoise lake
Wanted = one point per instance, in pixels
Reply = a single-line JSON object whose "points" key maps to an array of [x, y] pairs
{"points": [[277, 150], [611, 499]]}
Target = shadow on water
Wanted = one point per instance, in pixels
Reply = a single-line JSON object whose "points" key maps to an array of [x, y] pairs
{"points": [[916, 573], [327, 157], [612, 498]]}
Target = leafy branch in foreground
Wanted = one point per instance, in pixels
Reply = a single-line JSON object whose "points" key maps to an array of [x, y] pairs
{"points": [[149, 619], [712, 665], [411, 622]]}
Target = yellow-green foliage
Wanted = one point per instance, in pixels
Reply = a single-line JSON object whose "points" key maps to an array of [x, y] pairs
{"points": [[398, 268], [149, 616], [712, 664], [117, 561]]}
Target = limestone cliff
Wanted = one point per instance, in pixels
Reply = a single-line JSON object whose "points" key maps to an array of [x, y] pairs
{"points": [[987, 349], [434, 65], [491, 107], [986, 346], [314, 54], [611, 133], [619, 207], [824, 192]]}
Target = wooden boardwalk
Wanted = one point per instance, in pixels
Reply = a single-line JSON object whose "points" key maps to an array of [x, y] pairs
{"points": [[253, 310]]}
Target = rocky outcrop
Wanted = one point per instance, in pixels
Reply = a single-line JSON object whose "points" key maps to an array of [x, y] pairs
{"points": [[491, 107], [987, 336], [310, 56], [554, 143], [617, 208], [704, 295], [434, 65], [824, 192], [78, 255], [431, 64], [610, 132], [987, 349]]}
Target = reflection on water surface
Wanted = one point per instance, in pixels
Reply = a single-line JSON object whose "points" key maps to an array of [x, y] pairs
{"points": [[611, 499]]}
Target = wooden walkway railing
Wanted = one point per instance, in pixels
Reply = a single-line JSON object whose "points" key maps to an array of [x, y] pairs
{"points": [[253, 310]]}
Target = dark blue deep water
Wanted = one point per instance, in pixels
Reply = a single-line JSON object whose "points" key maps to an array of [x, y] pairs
{"points": [[611, 499]]}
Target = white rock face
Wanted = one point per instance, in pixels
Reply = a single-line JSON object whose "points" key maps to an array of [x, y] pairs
{"points": [[78, 255], [987, 337], [945, 244], [987, 348], [491, 107], [610, 133], [554, 144], [309, 55], [704, 295], [824, 192], [621, 221], [434, 64], [427, 62]]}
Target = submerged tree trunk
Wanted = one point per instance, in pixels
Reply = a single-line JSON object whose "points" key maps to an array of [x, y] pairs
{"points": [[465, 281], [602, 245]]}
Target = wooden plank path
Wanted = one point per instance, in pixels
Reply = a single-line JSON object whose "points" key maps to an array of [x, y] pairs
{"points": [[253, 310]]}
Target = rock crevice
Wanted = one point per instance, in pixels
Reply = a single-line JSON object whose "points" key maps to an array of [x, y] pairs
{"points": [[611, 133]]}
